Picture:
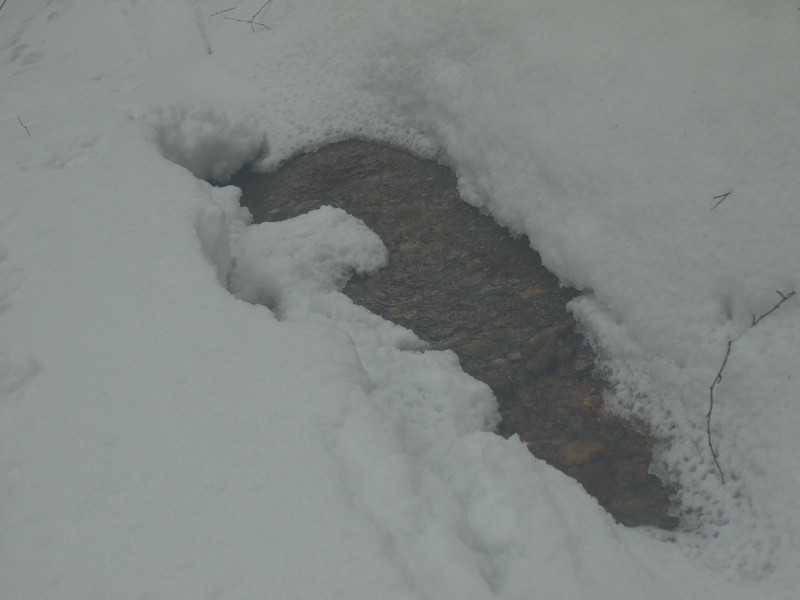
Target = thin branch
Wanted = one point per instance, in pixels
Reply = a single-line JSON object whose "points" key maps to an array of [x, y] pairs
{"points": [[263, 6], [249, 22], [2, 5], [717, 380], [784, 298], [18, 118], [721, 199], [219, 12]]}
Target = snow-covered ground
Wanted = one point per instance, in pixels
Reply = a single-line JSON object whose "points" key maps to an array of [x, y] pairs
{"points": [[189, 408]]}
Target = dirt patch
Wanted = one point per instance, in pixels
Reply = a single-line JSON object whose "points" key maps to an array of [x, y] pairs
{"points": [[462, 282]]}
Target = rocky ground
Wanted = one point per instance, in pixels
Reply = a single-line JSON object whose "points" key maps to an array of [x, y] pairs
{"points": [[462, 282]]}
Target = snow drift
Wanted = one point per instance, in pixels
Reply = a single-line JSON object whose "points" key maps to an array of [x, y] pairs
{"points": [[162, 438]]}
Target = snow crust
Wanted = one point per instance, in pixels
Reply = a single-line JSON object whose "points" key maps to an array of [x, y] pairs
{"points": [[190, 408]]}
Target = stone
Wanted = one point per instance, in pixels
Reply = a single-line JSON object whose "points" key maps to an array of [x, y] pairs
{"points": [[542, 363], [580, 452], [583, 364], [477, 348], [593, 405]]}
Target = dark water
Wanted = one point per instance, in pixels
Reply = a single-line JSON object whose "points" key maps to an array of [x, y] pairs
{"points": [[461, 282]]}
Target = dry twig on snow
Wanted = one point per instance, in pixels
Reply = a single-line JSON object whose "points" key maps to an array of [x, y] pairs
{"points": [[251, 21], [720, 199], [718, 378], [19, 118], [219, 12]]}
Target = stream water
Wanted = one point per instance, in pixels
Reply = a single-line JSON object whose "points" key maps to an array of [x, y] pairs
{"points": [[462, 282]]}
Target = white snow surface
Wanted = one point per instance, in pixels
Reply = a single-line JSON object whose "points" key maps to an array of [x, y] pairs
{"points": [[190, 408]]}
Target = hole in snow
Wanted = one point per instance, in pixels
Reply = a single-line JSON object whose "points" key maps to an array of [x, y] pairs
{"points": [[461, 282]]}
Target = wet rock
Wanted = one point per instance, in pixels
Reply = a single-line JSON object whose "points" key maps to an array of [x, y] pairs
{"points": [[580, 452], [541, 363], [583, 364], [593, 405], [478, 348], [462, 282]]}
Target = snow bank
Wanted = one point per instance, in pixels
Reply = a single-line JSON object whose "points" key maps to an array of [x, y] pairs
{"points": [[160, 437], [207, 142], [318, 250], [606, 133]]}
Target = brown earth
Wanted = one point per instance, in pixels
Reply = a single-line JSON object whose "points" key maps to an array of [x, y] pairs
{"points": [[462, 282]]}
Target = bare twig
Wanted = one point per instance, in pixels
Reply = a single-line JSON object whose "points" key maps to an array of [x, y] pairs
{"points": [[784, 298], [219, 12], [721, 199], [248, 21], [718, 378], [263, 6], [251, 21], [18, 118], [2, 5]]}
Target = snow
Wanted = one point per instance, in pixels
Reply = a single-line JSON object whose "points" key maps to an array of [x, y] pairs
{"points": [[206, 142], [190, 408], [315, 252]]}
